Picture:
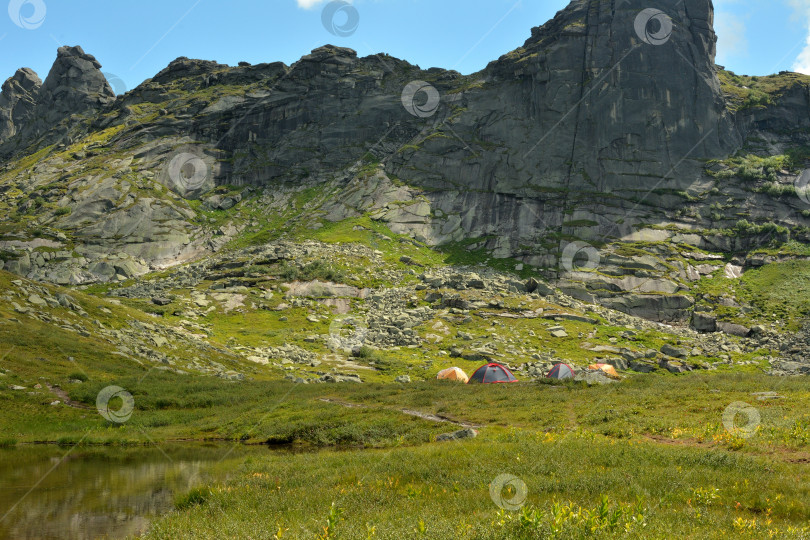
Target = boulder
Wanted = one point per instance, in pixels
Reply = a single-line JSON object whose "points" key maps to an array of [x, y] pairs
{"points": [[456, 301], [533, 285], [654, 307], [467, 433], [37, 300], [704, 322], [673, 366], [558, 332], [129, 268], [20, 266], [642, 367], [732, 271], [618, 363], [677, 352], [733, 329], [320, 289], [335, 378]]}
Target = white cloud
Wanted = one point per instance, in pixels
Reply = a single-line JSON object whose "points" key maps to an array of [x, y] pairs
{"points": [[308, 4], [802, 62]]}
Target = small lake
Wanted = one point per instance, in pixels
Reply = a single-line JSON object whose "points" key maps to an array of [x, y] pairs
{"points": [[48, 491]]}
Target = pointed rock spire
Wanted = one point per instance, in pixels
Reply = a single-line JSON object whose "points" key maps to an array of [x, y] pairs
{"points": [[75, 82], [74, 86], [17, 101]]}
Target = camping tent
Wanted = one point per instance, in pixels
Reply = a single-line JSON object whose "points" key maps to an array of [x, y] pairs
{"points": [[561, 371], [609, 370], [492, 373], [453, 374]]}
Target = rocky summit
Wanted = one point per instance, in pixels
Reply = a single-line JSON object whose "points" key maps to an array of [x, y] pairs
{"points": [[606, 180]]}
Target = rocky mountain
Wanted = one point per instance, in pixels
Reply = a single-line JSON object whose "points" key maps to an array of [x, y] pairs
{"points": [[31, 109], [609, 155]]}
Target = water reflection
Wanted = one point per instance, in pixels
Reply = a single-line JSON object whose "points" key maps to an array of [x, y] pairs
{"points": [[99, 492]]}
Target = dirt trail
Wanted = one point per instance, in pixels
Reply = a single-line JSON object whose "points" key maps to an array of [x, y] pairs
{"points": [[61, 394], [572, 416], [419, 414]]}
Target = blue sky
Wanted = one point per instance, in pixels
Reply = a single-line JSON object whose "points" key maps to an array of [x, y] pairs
{"points": [[135, 40]]}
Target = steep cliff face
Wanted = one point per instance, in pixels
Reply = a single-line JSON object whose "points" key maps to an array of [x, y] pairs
{"points": [[586, 103], [611, 125], [780, 119], [586, 108]]}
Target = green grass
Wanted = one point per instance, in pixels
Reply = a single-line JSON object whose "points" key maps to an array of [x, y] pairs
{"points": [[444, 492], [312, 270], [654, 447], [753, 168], [777, 292]]}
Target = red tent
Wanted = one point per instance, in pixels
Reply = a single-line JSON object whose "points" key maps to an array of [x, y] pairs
{"points": [[492, 373]]}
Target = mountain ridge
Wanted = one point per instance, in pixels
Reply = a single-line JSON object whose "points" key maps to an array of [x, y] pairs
{"points": [[591, 135]]}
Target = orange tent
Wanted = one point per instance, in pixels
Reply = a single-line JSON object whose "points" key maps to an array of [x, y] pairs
{"points": [[453, 374], [609, 370]]}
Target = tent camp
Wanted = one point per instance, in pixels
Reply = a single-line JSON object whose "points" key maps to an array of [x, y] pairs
{"points": [[560, 371], [453, 374], [609, 370], [492, 373]]}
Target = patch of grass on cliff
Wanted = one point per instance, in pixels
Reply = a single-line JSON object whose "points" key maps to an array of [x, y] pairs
{"points": [[791, 247], [310, 271], [751, 92], [28, 161], [778, 291], [751, 167], [461, 254], [377, 235]]}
